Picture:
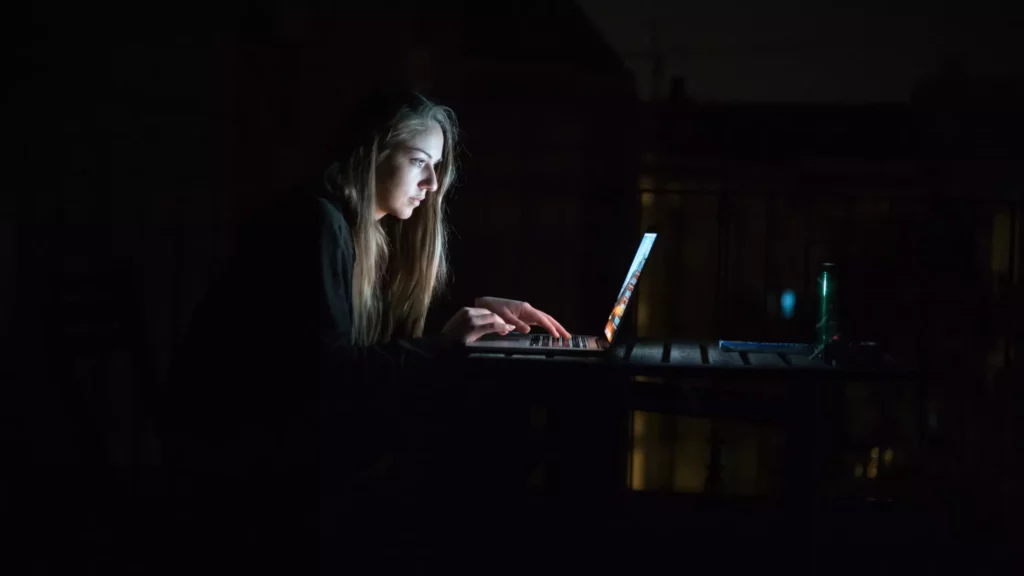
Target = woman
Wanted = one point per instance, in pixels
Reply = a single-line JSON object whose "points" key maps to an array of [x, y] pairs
{"points": [[401, 166], [317, 325]]}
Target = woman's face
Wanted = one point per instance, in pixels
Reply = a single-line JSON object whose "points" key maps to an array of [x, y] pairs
{"points": [[406, 175]]}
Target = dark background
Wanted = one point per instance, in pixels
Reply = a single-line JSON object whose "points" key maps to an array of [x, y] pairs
{"points": [[761, 145]]}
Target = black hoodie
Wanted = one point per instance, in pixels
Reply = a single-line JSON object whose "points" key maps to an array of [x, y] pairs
{"points": [[275, 421]]}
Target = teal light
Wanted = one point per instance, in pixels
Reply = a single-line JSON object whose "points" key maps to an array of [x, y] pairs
{"points": [[787, 303]]}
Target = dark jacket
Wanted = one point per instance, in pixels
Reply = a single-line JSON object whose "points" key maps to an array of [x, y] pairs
{"points": [[277, 428]]}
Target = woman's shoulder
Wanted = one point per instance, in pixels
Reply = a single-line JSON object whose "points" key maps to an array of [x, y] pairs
{"points": [[303, 202], [331, 213], [331, 208], [297, 219]]}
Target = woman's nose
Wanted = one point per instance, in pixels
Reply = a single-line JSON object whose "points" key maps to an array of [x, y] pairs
{"points": [[429, 184]]}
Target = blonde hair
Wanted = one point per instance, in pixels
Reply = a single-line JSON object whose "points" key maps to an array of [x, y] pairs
{"points": [[408, 256]]}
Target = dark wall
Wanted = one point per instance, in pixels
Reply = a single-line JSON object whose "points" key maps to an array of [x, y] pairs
{"points": [[545, 213], [757, 196]]}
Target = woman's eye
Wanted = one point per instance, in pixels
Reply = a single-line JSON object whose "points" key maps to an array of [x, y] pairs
{"points": [[419, 162]]}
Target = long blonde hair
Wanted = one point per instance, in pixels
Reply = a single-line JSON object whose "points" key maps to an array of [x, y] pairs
{"points": [[408, 256]]}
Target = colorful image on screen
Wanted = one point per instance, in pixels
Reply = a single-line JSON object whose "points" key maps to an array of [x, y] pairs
{"points": [[629, 286]]}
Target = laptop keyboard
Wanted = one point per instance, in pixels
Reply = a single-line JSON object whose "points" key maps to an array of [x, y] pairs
{"points": [[547, 341]]}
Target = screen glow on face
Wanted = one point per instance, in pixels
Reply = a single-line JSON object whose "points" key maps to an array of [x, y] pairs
{"points": [[628, 286]]}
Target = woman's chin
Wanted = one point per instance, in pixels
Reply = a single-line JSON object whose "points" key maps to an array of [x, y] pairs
{"points": [[401, 212]]}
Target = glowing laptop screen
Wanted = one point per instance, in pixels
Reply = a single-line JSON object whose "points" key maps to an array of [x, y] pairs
{"points": [[629, 286]]}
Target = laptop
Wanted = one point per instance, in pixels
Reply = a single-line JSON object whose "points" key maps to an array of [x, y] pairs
{"points": [[519, 343]]}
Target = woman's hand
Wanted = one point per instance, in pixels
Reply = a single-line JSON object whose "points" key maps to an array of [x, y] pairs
{"points": [[521, 315], [469, 324]]}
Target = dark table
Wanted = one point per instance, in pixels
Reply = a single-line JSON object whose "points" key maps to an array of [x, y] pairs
{"points": [[685, 377], [551, 442], [581, 414]]}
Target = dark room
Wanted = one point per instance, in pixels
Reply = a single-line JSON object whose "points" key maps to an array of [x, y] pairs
{"points": [[317, 287]]}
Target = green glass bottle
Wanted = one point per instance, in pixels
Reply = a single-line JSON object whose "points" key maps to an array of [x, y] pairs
{"points": [[828, 312]]}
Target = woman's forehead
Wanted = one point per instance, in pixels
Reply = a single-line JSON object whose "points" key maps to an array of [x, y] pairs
{"points": [[429, 141]]}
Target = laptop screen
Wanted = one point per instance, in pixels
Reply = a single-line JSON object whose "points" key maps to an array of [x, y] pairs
{"points": [[629, 286]]}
